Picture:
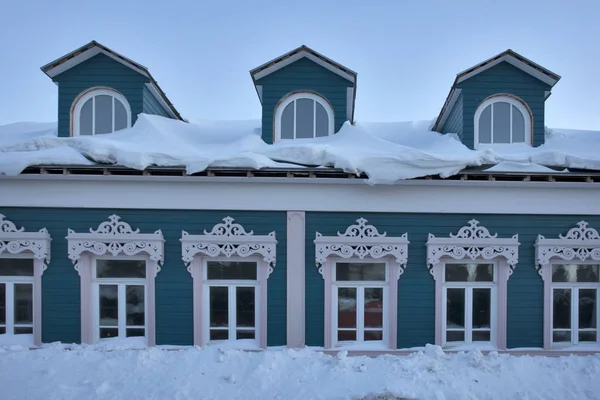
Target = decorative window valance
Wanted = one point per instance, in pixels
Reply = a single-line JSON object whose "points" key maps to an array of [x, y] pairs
{"points": [[15, 240]]}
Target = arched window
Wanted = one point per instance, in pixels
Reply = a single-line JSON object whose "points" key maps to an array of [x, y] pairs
{"points": [[303, 116], [502, 119], [100, 111]]}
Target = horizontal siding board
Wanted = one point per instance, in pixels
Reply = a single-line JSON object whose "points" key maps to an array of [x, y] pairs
{"points": [[454, 123], [151, 105]]}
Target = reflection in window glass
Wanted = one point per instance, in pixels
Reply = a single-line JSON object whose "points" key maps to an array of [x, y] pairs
{"points": [[360, 271], [469, 272], [86, 118], [104, 114], [231, 270], [287, 121], [120, 268], [485, 125], [16, 267], [575, 273], [501, 122]]}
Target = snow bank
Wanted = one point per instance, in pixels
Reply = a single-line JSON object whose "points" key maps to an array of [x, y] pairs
{"points": [[88, 372], [386, 152]]}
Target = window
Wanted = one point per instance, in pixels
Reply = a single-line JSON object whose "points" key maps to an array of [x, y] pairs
{"points": [[230, 268], [16, 296], [570, 268], [470, 299], [117, 266], [119, 287], [361, 269], [502, 120], [100, 111], [471, 270], [303, 116]]}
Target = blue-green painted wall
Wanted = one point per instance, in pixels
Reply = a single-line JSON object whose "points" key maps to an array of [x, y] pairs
{"points": [[151, 106], [416, 288], [454, 123], [174, 317], [302, 75], [503, 78]]}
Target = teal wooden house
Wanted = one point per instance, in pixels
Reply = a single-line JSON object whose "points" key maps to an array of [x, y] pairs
{"points": [[301, 255]]}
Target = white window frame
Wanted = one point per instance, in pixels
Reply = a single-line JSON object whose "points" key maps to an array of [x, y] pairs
{"points": [[468, 287], [121, 283], [228, 241], [91, 93], [513, 102], [10, 281], [114, 238], [473, 243], [361, 242], [581, 245], [303, 95], [16, 243]]}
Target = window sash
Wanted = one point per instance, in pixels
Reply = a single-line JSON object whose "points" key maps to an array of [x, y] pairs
{"points": [[468, 329], [122, 325], [574, 329], [232, 328], [10, 324]]}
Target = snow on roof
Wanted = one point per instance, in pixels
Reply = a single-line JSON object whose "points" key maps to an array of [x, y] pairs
{"points": [[385, 152]]}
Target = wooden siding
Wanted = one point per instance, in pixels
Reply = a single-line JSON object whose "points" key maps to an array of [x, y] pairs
{"points": [[302, 75], [503, 78], [174, 318], [151, 105], [454, 123], [99, 70], [416, 288]]}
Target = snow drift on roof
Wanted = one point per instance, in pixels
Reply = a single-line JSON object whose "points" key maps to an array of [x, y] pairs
{"points": [[385, 152]]}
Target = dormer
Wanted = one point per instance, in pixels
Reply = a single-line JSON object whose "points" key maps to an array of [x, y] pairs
{"points": [[101, 91], [304, 95], [498, 102]]}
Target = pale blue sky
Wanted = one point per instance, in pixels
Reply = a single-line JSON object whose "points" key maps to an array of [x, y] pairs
{"points": [[406, 53]]}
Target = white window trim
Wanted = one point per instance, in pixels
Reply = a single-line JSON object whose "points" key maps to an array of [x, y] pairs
{"points": [[303, 95], [362, 242], [120, 282], [475, 243], [581, 245], [227, 241], [16, 243], [93, 92], [114, 238], [505, 99], [469, 286]]}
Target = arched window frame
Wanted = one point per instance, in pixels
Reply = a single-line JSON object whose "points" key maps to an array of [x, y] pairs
{"points": [[84, 97], [303, 95], [513, 102]]}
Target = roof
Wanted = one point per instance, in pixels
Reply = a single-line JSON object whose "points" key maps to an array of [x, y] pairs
{"points": [[509, 56], [93, 48], [306, 52]]}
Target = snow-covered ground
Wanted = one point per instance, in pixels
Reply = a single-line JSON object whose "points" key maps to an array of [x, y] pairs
{"points": [[386, 152], [91, 372]]}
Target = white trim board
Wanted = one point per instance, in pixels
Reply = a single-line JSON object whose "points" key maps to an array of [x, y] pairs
{"points": [[281, 194]]}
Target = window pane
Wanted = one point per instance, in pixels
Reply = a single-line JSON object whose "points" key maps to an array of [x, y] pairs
{"points": [[23, 330], [305, 118], [501, 123], [135, 305], [482, 308], [2, 304], [346, 307], [373, 335], [85, 118], [217, 334], [561, 336], [373, 307], [23, 303], [287, 122], [104, 112], [455, 308], [135, 332], [561, 311], [231, 270], [481, 336], [245, 310], [575, 273], [455, 336], [2, 330], [109, 333], [245, 334], [120, 115], [485, 125], [109, 305], [344, 336], [587, 308], [469, 272], [16, 266], [120, 268], [219, 311], [360, 271], [587, 336], [518, 126], [322, 120]]}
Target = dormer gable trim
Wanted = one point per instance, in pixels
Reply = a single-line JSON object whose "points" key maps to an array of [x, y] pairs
{"points": [[94, 48]]}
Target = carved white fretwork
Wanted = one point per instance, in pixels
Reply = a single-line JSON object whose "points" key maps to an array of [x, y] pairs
{"points": [[581, 242], [361, 240], [116, 237], [229, 239], [471, 242], [15, 240]]}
